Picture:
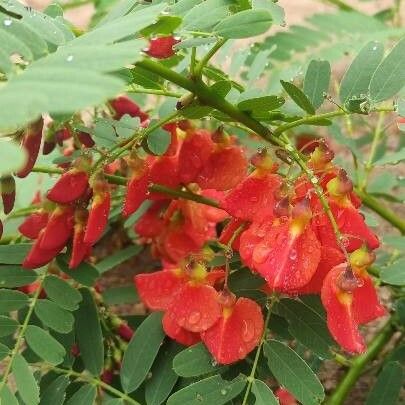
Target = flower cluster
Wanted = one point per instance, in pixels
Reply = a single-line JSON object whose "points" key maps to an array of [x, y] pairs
{"points": [[301, 231]]}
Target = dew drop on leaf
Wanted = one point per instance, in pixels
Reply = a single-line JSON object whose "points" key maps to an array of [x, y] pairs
{"points": [[7, 22]]}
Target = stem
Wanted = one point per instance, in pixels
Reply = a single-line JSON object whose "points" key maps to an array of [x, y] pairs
{"points": [[158, 188], [359, 363], [95, 381], [204, 61], [382, 211], [376, 140], [140, 90], [251, 376], [20, 336]]}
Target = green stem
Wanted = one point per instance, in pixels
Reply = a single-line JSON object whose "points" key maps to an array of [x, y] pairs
{"points": [[95, 381], [376, 140], [372, 203], [204, 61], [359, 363], [158, 92], [21, 332], [251, 376]]}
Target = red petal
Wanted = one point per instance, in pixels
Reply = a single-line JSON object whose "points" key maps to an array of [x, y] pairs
{"points": [[33, 224], [136, 194], [162, 47], [330, 257], [31, 143], [70, 187], [151, 223], [80, 249], [158, 289], [124, 105], [8, 193], [195, 152], [177, 333], [195, 307], [164, 171], [285, 260], [229, 231], [341, 318], [58, 229], [98, 218], [236, 334], [38, 257], [366, 304], [253, 198], [225, 169]]}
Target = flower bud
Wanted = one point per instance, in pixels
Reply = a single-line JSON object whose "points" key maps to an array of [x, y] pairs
{"points": [[162, 47], [7, 193]]}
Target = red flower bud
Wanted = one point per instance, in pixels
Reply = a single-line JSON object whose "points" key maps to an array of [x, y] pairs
{"points": [[7, 193], [49, 142], [107, 376], [98, 215], [80, 249], [31, 143], [125, 332], [71, 186], [75, 351], [32, 225], [62, 135], [123, 105], [284, 397], [162, 47], [37, 256], [85, 139], [58, 229]]}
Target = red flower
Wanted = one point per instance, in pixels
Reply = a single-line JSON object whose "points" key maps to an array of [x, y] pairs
{"points": [[162, 47], [285, 252], [80, 249], [31, 143], [237, 333], [177, 333], [33, 224], [70, 187], [98, 214], [137, 187], [285, 397], [58, 229], [151, 223], [123, 105], [254, 197]]}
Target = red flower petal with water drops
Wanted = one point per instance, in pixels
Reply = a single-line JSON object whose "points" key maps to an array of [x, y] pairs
{"points": [[31, 143], [351, 224], [80, 249], [215, 276], [136, 194], [58, 229], [225, 169], [98, 216], [70, 187], [33, 224], [158, 289], [37, 256], [341, 318], [237, 333], [177, 333], [151, 223], [254, 197], [195, 152], [162, 47], [211, 213], [195, 307], [330, 257], [366, 305], [164, 171], [287, 260]]}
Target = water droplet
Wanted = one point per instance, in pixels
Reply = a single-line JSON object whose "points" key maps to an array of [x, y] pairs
{"points": [[293, 254], [223, 392], [214, 363], [260, 254], [7, 22], [374, 48], [194, 317], [248, 330], [199, 397], [69, 58]]}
